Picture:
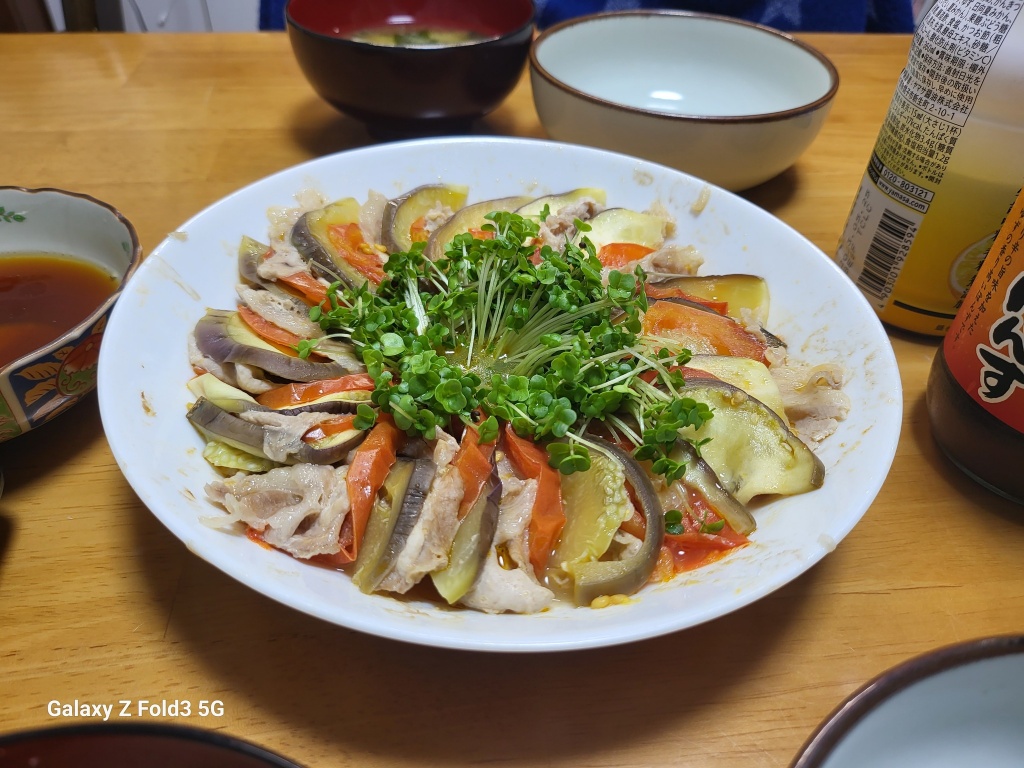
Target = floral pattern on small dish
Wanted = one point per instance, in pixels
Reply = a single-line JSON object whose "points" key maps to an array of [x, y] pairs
{"points": [[43, 384]]}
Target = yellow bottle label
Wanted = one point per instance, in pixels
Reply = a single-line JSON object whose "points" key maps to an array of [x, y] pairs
{"points": [[936, 189]]}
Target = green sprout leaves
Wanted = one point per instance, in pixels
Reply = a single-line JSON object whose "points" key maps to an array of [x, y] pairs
{"points": [[504, 328]]}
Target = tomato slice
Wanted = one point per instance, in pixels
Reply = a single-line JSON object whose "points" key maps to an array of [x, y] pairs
{"points": [[348, 240], [705, 537], [308, 287], [548, 516], [418, 230], [473, 462], [291, 395], [330, 427], [283, 340], [656, 291], [691, 326], [367, 472], [618, 255]]}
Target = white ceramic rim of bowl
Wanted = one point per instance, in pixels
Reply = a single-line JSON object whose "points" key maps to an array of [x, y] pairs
{"points": [[290, 21], [826, 63], [134, 259], [821, 745]]}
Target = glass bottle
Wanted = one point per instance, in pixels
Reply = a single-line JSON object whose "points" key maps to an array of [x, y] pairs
{"points": [[945, 167], [976, 386]]}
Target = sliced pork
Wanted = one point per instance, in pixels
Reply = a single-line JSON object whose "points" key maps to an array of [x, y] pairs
{"points": [[298, 509], [431, 538], [507, 582]]}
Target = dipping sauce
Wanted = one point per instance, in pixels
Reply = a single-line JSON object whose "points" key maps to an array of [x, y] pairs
{"points": [[415, 36], [43, 295]]}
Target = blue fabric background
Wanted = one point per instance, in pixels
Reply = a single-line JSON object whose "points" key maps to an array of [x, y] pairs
{"points": [[272, 14], [790, 15]]}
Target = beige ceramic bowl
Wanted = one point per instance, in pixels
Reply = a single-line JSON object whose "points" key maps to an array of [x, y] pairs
{"points": [[50, 379], [728, 101], [958, 705]]}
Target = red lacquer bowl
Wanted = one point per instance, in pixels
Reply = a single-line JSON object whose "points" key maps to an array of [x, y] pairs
{"points": [[409, 88], [122, 745]]}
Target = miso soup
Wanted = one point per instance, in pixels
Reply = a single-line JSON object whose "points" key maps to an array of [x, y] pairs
{"points": [[415, 36]]}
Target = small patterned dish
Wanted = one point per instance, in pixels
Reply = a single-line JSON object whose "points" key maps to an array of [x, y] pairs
{"points": [[39, 384]]}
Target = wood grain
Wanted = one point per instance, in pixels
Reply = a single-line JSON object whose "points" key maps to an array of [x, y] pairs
{"points": [[99, 603]]}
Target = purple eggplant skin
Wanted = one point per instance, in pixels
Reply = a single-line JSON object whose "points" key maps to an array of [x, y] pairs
{"points": [[309, 237], [319, 406], [624, 577], [408, 512], [752, 450], [465, 219], [701, 476], [401, 212], [215, 423], [249, 254], [222, 339], [472, 544], [769, 337], [323, 406]]}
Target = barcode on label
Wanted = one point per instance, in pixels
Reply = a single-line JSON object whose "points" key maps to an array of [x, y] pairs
{"points": [[884, 254]]}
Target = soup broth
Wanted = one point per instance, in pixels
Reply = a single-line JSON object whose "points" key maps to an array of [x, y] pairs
{"points": [[43, 295], [415, 36]]}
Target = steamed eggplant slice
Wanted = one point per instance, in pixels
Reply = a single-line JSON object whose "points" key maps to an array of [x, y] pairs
{"points": [[751, 376], [596, 504], [331, 240], [401, 214], [227, 457], [222, 395], [751, 449], [595, 578], [469, 218], [741, 295], [621, 225], [382, 521], [223, 336], [556, 203], [394, 515], [340, 402], [700, 476], [250, 252], [215, 423], [472, 544]]}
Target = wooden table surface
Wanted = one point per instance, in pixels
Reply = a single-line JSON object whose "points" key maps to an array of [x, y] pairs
{"points": [[99, 603]]}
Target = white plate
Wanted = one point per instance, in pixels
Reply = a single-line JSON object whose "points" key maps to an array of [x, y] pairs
{"points": [[143, 369], [959, 705]]}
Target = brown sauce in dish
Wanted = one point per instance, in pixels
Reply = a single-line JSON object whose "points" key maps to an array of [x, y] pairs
{"points": [[43, 295]]}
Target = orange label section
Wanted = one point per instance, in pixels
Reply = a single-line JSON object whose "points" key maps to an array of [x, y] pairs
{"points": [[984, 348]]}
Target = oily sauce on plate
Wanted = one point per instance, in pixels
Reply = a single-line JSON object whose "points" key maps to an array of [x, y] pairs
{"points": [[43, 295]]}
